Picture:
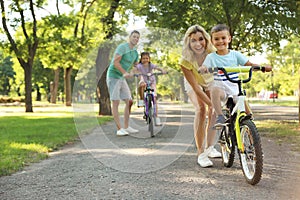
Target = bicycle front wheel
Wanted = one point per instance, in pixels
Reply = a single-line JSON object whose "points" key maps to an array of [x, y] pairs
{"points": [[252, 158], [150, 118]]}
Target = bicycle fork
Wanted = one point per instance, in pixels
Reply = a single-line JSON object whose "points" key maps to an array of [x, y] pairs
{"points": [[241, 113], [147, 106]]}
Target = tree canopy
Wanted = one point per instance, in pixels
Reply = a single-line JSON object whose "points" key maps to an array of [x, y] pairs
{"points": [[252, 22]]}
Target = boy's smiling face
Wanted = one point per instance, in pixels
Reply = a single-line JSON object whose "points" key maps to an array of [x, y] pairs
{"points": [[220, 40]]}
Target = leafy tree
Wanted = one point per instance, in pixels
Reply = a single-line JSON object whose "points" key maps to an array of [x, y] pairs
{"points": [[67, 39], [252, 22], [7, 75], [56, 48], [24, 47], [41, 77], [286, 64]]}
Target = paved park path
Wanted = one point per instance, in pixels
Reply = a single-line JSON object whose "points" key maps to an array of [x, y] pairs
{"points": [[103, 166]]}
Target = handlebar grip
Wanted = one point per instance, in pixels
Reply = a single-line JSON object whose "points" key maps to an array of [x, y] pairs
{"points": [[268, 68], [262, 68]]}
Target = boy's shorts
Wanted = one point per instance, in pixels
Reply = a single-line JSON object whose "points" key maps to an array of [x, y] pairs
{"points": [[118, 89]]}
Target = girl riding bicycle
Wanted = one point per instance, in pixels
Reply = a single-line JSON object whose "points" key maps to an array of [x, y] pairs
{"points": [[144, 67]]}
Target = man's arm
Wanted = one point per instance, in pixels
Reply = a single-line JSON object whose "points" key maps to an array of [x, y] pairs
{"points": [[118, 65]]}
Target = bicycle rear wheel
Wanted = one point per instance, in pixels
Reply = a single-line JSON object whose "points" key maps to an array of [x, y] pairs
{"points": [[252, 159], [227, 144], [150, 119]]}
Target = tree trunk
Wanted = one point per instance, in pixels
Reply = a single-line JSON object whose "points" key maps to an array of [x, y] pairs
{"points": [[67, 85], [55, 86], [28, 88], [102, 63], [31, 42], [102, 60]]}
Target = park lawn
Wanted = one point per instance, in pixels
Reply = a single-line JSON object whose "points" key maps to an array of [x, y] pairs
{"points": [[28, 138], [287, 132], [276, 102]]}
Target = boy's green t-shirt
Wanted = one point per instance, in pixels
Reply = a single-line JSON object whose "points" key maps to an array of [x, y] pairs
{"points": [[129, 57]]}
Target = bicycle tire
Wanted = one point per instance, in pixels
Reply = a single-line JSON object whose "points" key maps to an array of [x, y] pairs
{"points": [[150, 116], [252, 159], [227, 144]]}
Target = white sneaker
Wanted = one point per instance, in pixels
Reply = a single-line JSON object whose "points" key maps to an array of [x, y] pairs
{"points": [[204, 161], [157, 121], [140, 103], [131, 130], [214, 153], [122, 132]]}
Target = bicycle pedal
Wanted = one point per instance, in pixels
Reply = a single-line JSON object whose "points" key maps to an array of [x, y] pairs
{"points": [[219, 126], [221, 142]]}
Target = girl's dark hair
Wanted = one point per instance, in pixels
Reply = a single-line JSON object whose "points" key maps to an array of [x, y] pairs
{"points": [[145, 53]]}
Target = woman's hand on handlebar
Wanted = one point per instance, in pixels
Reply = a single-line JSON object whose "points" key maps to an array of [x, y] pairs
{"points": [[203, 69]]}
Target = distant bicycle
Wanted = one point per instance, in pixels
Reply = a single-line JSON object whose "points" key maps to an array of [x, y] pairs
{"points": [[149, 104], [240, 131]]}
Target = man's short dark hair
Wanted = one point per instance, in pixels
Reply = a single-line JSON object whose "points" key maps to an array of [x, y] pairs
{"points": [[134, 31]]}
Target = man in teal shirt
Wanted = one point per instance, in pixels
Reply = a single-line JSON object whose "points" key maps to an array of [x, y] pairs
{"points": [[125, 56]]}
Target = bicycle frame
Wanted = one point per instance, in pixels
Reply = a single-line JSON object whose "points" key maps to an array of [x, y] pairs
{"points": [[240, 110], [149, 92], [239, 107], [149, 102]]}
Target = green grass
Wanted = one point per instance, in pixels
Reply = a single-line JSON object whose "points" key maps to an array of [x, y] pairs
{"points": [[29, 137], [276, 102], [282, 131]]}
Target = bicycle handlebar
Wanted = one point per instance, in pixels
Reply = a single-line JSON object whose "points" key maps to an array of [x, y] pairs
{"points": [[241, 69], [150, 74]]}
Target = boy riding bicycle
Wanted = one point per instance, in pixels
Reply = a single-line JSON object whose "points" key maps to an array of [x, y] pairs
{"points": [[222, 88]]}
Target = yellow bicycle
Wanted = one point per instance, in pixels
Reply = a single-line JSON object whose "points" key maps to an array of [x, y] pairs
{"points": [[240, 131]]}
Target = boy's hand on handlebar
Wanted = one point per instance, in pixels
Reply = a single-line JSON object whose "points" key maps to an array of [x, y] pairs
{"points": [[268, 68], [264, 69]]}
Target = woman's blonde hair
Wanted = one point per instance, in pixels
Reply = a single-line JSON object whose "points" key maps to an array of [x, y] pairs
{"points": [[187, 52]]}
